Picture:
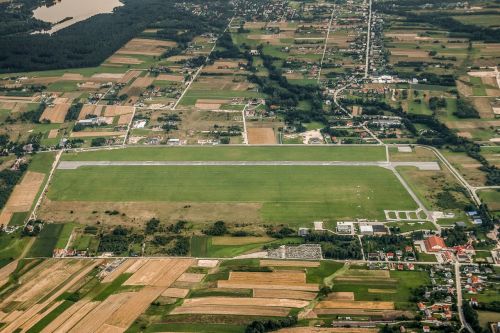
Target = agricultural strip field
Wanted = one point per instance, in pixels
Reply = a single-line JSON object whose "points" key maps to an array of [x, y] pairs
{"points": [[346, 153], [286, 193]]}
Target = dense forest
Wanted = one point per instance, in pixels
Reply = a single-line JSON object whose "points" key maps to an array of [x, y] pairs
{"points": [[90, 42]]}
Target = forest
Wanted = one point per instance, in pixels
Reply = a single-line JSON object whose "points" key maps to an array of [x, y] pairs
{"points": [[90, 42]]}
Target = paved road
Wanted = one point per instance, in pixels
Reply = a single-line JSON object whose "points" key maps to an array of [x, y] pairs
{"points": [[460, 299], [69, 165], [368, 40]]}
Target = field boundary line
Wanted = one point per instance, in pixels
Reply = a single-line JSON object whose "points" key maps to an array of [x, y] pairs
{"points": [[326, 43]]}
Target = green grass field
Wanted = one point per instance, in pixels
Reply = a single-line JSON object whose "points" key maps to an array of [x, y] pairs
{"points": [[46, 241], [228, 153], [287, 193]]}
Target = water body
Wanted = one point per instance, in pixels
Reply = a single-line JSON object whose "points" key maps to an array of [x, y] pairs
{"points": [[67, 12]]}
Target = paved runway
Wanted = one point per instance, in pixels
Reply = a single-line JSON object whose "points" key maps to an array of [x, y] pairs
{"points": [[70, 165]]}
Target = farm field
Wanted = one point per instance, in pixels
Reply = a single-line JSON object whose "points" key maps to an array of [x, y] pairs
{"points": [[284, 193]]}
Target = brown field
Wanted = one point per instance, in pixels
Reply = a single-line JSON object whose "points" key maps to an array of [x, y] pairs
{"points": [[124, 60], [341, 295], [292, 277], [223, 240], [170, 77], [24, 193], [175, 292], [246, 301], [327, 330], [56, 113], [382, 291], [274, 286], [146, 47], [233, 310], [98, 316], [289, 263], [55, 277], [261, 136], [136, 265], [90, 109], [125, 119], [207, 106], [291, 294], [53, 133], [254, 25], [107, 76], [130, 75], [134, 307], [96, 133], [191, 277], [117, 110], [142, 82], [69, 317], [159, 272], [283, 280], [355, 305]]}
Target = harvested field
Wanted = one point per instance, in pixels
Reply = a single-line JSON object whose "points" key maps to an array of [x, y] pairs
{"points": [[274, 286], [207, 106], [125, 119], [70, 317], [239, 240], [108, 76], [289, 263], [142, 82], [159, 272], [53, 133], [170, 77], [175, 292], [117, 110], [96, 133], [261, 136], [246, 301], [98, 316], [24, 194], [291, 277], [290, 294], [90, 109], [134, 307], [136, 265], [130, 75], [355, 305], [55, 114], [341, 295], [382, 291], [124, 60], [233, 310], [191, 277], [145, 46], [207, 263]]}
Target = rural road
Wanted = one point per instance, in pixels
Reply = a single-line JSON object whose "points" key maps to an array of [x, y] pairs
{"points": [[71, 165]]}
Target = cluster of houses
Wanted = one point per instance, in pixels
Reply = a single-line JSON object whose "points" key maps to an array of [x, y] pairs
{"points": [[407, 255], [476, 280]]}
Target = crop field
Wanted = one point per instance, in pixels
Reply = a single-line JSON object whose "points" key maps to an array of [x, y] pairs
{"points": [[284, 193]]}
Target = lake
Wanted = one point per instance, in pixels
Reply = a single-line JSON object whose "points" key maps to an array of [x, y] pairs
{"points": [[68, 12]]}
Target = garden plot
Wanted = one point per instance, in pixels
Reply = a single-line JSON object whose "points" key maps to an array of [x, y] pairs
{"points": [[261, 136]]}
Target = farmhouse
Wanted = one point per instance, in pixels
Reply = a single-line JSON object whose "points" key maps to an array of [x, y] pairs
{"points": [[434, 244]]}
